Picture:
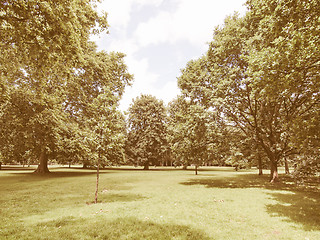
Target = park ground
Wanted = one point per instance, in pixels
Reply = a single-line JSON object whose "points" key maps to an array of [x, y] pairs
{"points": [[162, 203]]}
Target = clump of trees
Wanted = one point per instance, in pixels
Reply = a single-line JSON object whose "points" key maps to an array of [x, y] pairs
{"points": [[59, 94], [261, 76], [252, 99]]}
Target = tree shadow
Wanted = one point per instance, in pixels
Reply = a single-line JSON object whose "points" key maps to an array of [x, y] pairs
{"points": [[117, 197], [100, 227], [31, 176], [296, 204], [17, 168], [235, 181], [301, 207]]}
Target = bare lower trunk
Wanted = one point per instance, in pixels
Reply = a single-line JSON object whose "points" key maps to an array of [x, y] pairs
{"points": [[146, 166], [274, 172], [286, 166], [196, 169], [43, 163], [260, 165], [97, 182]]}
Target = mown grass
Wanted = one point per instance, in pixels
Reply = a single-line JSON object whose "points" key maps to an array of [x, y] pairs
{"points": [[158, 204]]}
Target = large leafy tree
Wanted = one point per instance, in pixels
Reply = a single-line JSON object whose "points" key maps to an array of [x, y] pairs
{"points": [[284, 62], [147, 128], [260, 73], [53, 77], [189, 132]]}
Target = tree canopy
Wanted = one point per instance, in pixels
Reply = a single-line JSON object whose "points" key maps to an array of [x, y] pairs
{"points": [[147, 131], [54, 78], [260, 75]]}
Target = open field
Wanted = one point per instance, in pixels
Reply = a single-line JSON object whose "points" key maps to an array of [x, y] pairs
{"points": [[219, 203]]}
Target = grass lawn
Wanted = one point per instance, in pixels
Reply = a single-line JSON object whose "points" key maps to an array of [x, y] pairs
{"points": [[157, 204]]}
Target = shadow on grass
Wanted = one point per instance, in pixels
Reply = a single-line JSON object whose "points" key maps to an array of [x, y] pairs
{"points": [[100, 227], [54, 174], [117, 197], [297, 204], [236, 181], [301, 207], [17, 168]]}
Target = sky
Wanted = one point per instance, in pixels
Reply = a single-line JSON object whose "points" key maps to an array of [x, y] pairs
{"points": [[159, 37]]}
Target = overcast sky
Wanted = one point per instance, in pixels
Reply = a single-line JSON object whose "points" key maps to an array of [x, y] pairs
{"points": [[159, 37]]}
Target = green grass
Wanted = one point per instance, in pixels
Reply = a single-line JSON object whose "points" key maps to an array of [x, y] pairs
{"points": [[158, 204]]}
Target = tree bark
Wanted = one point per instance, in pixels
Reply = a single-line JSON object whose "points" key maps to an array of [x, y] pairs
{"points": [[43, 163], [274, 172], [97, 182], [260, 164], [286, 166], [196, 169], [146, 165]]}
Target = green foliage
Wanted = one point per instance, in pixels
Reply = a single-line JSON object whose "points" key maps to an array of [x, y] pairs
{"points": [[260, 75], [147, 128], [104, 131], [47, 31], [56, 80], [189, 132]]}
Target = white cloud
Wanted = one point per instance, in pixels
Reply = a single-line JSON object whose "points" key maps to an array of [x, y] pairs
{"points": [[143, 83], [194, 21], [146, 83], [119, 11], [186, 20], [156, 30]]}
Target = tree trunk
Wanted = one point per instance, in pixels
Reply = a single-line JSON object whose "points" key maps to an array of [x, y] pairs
{"points": [[85, 165], [260, 164], [146, 165], [185, 166], [274, 172], [196, 169], [97, 182], [286, 165], [43, 163]]}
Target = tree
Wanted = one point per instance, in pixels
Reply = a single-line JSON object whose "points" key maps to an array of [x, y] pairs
{"points": [[104, 131], [44, 42], [54, 76], [284, 62], [256, 80], [189, 132], [104, 74], [147, 128]]}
